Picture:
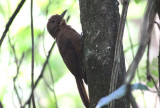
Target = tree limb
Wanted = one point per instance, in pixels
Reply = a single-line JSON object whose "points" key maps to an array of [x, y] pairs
{"points": [[118, 49], [11, 20], [40, 76]]}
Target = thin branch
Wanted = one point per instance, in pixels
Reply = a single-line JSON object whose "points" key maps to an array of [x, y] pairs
{"points": [[51, 75], [49, 3], [118, 49], [52, 90], [18, 66], [32, 37], [131, 44], [14, 82], [135, 62], [130, 97], [11, 20], [40, 76], [14, 52], [132, 100], [145, 37], [149, 76], [157, 24], [159, 64], [1, 106], [32, 62], [159, 50]]}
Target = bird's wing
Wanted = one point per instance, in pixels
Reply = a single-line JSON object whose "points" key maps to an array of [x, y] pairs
{"points": [[71, 58]]}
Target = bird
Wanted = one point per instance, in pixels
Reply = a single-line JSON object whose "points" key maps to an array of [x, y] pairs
{"points": [[70, 47]]}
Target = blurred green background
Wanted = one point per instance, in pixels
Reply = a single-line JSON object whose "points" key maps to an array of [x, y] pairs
{"points": [[64, 83]]}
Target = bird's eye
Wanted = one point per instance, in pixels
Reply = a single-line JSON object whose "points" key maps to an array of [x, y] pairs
{"points": [[53, 21]]}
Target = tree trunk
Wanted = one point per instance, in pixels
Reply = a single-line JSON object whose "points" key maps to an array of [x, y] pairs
{"points": [[100, 19]]}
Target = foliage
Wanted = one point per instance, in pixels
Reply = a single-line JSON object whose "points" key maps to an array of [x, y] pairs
{"points": [[138, 1], [20, 36], [65, 88]]}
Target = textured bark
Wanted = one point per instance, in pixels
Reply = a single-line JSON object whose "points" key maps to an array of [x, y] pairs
{"points": [[100, 19]]}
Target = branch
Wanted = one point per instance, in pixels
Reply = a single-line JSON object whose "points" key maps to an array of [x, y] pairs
{"points": [[118, 49], [131, 44], [159, 64], [1, 106], [52, 90], [40, 76], [132, 100], [51, 75], [149, 76], [32, 62], [17, 66], [11, 20], [157, 24], [145, 37]]}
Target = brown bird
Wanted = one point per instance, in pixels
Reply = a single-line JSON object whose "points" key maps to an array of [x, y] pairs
{"points": [[69, 44]]}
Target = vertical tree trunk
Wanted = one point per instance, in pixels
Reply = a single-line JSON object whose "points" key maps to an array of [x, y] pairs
{"points": [[100, 19]]}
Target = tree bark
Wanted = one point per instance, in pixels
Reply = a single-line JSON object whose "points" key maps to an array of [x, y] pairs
{"points": [[100, 19]]}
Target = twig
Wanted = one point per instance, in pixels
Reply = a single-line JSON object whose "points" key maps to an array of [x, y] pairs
{"points": [[11, 20], [159, 64], [157, 24], [132, 100], [118, 49], [145, 37], [48, 85], [130, 97], [40, 76], [68, 18], [146, 30], [131, 44], [18, 66], [51, 75], [32, 62], [1, 106], [49, 3], [52, 90], [149, 76]]}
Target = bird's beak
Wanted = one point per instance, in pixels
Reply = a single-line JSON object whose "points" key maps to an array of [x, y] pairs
{"points": [[61, 16]]}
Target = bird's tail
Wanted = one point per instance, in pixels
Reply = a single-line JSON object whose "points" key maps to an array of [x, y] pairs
{"points": [[82, 92]]}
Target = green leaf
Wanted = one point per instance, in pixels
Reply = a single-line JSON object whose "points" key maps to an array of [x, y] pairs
{"points": [[2, 12], [137, 1], [22, 39], [150, 84]]}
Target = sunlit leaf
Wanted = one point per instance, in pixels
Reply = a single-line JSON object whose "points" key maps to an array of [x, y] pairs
{"points": [[138, 1], [150, 84], [2, 12], [22, 39], [154, 67]]}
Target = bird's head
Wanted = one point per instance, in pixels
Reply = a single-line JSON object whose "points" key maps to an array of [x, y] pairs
{"points": [[53, 25]]}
